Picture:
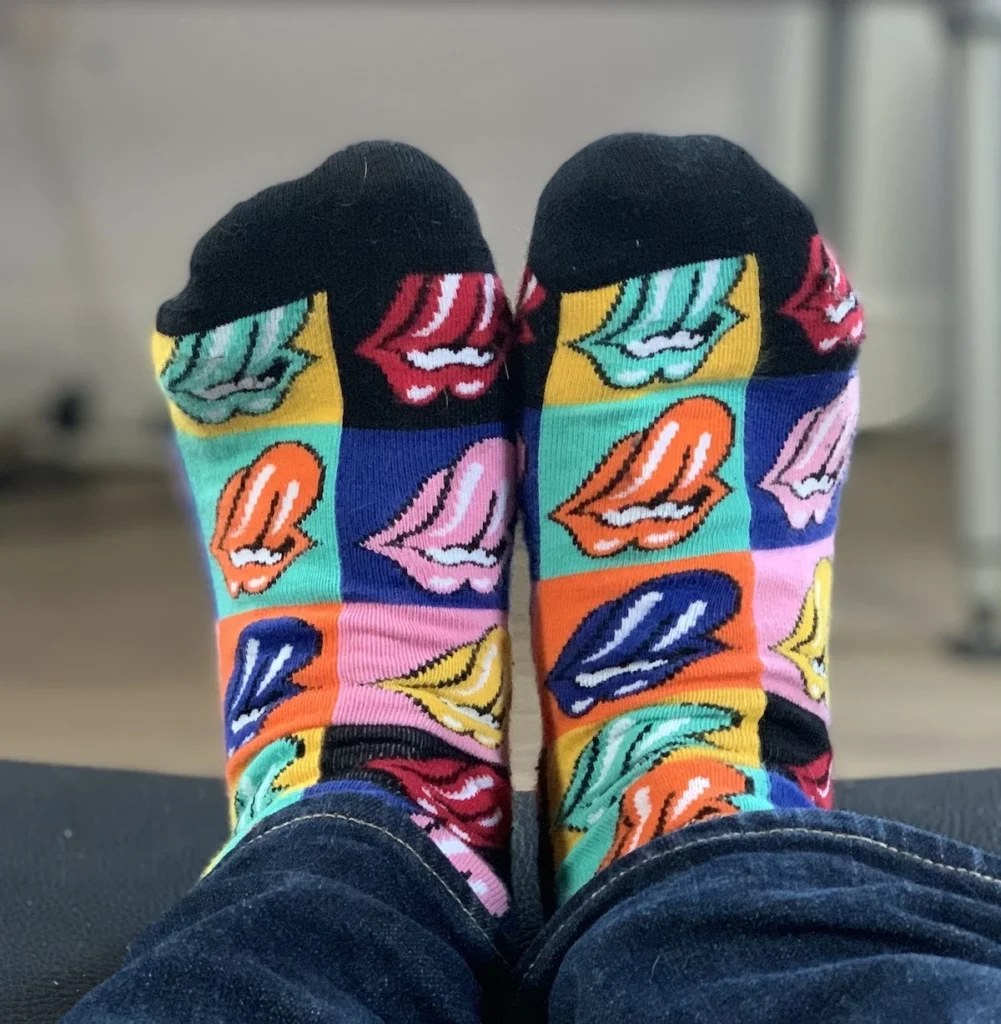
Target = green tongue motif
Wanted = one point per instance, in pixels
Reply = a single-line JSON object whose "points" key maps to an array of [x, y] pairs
{"points": [[246, 366], [628, 747], [664, 325]]}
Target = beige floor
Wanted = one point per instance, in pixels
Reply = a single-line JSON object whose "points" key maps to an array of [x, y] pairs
{"points": [[105, 630]]}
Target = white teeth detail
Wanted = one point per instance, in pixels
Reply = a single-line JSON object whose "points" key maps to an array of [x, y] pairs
{"points": [[232, 387], [243, 720], [602, 546], [416, 394], [255, 556], [811, 485], [444, 585], [660, 538], [469, 387], [835, 314], [437, 358], [627, 688], [629, 378], [471, 787], [589, 679], [640, 513], [461, 556], [682, 341]]}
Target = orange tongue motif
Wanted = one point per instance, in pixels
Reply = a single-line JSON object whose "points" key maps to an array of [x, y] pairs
{"points": [[675, 793], [257, 534], [655, 487]]}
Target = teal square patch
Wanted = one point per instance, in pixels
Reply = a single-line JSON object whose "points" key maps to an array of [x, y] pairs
{"points": [[265, 503], [656, 479]]}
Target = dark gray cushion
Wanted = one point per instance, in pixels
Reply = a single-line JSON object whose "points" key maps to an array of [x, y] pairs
{"points": [[89, 857]]}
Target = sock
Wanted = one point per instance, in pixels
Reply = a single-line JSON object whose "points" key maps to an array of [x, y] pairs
{"points": [[686, 344], [335, 373]]}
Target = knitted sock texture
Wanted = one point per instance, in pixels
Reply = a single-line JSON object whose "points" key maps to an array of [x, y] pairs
{"points": [[686, 347], [335, 373]]}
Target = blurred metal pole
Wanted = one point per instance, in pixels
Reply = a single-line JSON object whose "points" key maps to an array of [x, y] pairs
{"points": [[836, 60], [976, 31]]}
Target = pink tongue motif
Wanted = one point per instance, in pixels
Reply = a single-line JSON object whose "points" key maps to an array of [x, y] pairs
{"points": [[813, 461], [456, 531]]}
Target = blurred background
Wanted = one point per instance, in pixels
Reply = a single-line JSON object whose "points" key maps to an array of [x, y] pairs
{"points": [[126, 129]]}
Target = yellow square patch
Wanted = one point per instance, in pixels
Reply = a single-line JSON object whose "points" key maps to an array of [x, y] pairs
{"points": [[688, 709], [272, 369], [686, 325]]}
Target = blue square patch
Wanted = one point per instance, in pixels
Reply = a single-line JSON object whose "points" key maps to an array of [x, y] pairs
{"points": [[425, 517], [799, 441]]}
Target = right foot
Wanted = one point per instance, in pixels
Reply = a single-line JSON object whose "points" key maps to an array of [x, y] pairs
{"points": [[687, 347], [335, 373]]}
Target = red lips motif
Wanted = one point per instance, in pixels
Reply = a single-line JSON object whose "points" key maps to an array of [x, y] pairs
{"points": [[826, 306], [473, 800], [443, 333], [257, 533], [656, 487], [530, 298], [815, 780]]}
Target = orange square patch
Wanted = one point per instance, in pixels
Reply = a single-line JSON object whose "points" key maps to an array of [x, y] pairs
{"points": [[277, 676], [611, 641]]}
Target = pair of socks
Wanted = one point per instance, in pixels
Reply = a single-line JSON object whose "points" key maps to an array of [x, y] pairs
{"points": [[672, 406]]}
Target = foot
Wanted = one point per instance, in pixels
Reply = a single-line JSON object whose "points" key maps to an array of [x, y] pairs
{"points": [[335, 374], [687, 343]]}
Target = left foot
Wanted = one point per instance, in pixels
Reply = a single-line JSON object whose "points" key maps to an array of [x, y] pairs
{"points": [[335, 373], [687, 343]]}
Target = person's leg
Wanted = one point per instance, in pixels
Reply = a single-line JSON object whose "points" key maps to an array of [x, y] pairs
{"points": [[334, 909], [687, 344], [335, 373], [777, 918]]}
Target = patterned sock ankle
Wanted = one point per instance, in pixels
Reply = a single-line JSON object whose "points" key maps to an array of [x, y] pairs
{"points": [[686, 344], [334, 370]]}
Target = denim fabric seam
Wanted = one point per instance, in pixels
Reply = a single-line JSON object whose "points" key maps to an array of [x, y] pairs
{"points": [[395, 838], [757, 835]]}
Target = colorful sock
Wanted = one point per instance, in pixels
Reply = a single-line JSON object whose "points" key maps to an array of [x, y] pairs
{"points": [[335, 373], [687, 343]]}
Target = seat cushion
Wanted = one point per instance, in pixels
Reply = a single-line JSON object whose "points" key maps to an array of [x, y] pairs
{"points": [[91, 856]]}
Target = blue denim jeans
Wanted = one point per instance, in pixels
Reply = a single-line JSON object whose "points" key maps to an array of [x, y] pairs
{"points": [[340, 909]]}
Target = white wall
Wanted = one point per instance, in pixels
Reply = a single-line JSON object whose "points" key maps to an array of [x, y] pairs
{"points": [[898, 233], [126, 129]]}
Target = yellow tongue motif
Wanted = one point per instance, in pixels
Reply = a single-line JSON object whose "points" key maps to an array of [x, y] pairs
{"points": [[466, 689], [806, 645]]}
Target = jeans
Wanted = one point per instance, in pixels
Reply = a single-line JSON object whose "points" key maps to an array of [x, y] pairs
{"points": [[340, 909]]}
